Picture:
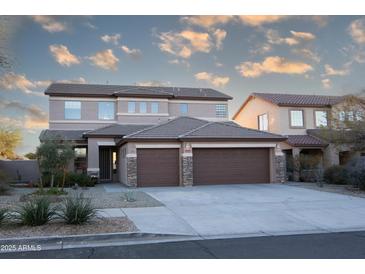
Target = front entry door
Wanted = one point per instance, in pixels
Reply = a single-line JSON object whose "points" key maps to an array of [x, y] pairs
{"points": [[106, 163]]}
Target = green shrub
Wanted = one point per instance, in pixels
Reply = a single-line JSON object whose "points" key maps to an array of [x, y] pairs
{"points": [[35, 212], [337, 175], [77, 210], [4, 185], [50, 191], [3, 214], [356, 171], [81, 179]]}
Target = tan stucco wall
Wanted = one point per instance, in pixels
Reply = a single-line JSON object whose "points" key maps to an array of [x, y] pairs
{"points": [[247, 117], [93, 151], [202, 110], [122, 168]]}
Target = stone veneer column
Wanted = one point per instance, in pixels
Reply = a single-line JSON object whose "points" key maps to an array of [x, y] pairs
{"points": [[296, 164], [279, 166], [131, 171], [187, 165]]}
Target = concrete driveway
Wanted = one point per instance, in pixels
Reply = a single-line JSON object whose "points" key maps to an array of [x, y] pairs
{"points": [[256, 209]]}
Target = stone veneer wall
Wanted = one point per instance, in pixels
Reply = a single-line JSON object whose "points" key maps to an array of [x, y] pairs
{"points": [[131, 171], [280, 169], [187, 171]]}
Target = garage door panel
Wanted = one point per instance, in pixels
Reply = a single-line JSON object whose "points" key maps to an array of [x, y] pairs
{"points": [[231, 165], [157, 167]]}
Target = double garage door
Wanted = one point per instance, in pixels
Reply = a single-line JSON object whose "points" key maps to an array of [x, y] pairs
{"points": [[160, 167]]}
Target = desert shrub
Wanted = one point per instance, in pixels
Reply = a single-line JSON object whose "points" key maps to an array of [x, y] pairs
{"points": [[50, 191], [77, 210], [81, 179], [3, 215], [337, 175], [4, 185], [356, 171], [35, 212]]}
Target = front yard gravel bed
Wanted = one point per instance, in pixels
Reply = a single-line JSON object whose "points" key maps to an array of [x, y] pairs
{"points": [[58, 228]]}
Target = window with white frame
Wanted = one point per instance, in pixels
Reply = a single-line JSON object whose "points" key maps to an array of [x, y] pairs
{"points": [[154, 107], [342, 116], [221, 111], [320, 117], [183, 108], [72, 110], [131, 107], [296, 118], [142, 107], [263, 122], [106, 111]]}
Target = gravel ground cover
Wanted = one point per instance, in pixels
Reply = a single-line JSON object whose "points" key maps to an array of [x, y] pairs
{"points": [[57, 228]]}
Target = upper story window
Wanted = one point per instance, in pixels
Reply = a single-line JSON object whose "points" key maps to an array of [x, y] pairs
{"points": [[131, 107], [72, 110], [142, 107], [154, 107], [183, 108], [296, 118], [263, 122], [106, 111], [320, 118], [221, 111]]}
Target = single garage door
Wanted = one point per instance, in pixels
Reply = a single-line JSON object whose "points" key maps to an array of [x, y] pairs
{"points": [[157, 167], [231, 166]]}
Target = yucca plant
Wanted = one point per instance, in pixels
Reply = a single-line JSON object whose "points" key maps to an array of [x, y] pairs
{"points": [[3, 215], [77, 210], [35, 212]]}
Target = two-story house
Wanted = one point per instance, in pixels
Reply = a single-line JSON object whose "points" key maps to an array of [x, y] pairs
{"points": [[159, 136], [299, 118]]}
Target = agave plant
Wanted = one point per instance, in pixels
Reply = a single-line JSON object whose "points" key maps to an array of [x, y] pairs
{"points": [[3, 214], [35, 212], [77, 210]]}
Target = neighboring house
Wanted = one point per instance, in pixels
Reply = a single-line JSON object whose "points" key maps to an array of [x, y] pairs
{"points": [[299, 118], [160, 136]]}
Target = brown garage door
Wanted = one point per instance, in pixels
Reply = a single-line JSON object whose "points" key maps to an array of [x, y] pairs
{"points": [[157, 167], [231, 166]]}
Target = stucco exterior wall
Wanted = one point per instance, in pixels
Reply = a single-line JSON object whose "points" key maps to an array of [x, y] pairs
{"points": [[248, 116], [203, 110], [93, 151], [122, 168]]}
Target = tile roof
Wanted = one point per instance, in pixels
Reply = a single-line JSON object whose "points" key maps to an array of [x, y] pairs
{"points": [[298, 100], [305, 140], [116, 130], [192, 128], [71, 135], [134, 91]]}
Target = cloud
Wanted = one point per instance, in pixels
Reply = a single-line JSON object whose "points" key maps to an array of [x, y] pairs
{"points": [[80, 80], [307, 53], [219, 35], [34, 117], [330, 71], [215, 80], [261, 49], [114, 39], [326, 83], [63, 56], [357, 30], [179, 62], [49, 23], [105, 60], [12, 81], [153, 83], [259, 20], [133, 53], [206, 21], [273, 37], [183, 44], [272, 64], [307, 36]]}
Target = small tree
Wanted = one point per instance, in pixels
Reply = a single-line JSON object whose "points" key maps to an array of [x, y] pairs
{"points": [[10, 138], [54, 155], [31, 156]]}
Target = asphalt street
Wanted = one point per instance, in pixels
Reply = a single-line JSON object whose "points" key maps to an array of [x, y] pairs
{"points": [[312, 246]]}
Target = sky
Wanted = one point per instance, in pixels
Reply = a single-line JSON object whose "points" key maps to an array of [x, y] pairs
{"points": [[237, 55]]}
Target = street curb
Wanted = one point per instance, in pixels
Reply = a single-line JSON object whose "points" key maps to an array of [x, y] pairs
{"points": [[22, 244]]}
